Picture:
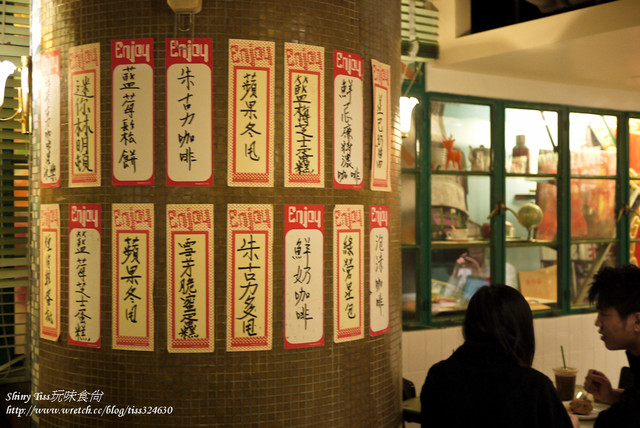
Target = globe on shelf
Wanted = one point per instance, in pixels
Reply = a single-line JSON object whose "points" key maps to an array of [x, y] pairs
{"points": [[530, 217]]}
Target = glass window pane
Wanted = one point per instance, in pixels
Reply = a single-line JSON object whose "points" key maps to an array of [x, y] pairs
{"points": [[533, 270], [460, 202], [586, 261], [593, 208], [547, 200], [456, 274], [531, 139], [634, 191], [592, 141], [460, 137], [634, 146], [409, 283], [593, 153], [634, 246], [408, 208]]}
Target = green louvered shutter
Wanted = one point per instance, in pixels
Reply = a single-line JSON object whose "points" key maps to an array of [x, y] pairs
{"points": [[14, 149], [419, 23]]}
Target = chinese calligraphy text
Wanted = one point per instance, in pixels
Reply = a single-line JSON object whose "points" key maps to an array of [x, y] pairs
{"points": [[381, 139], [50, 271], [348, 126], [379, 269], [132, 235], [190, 288], [249, 315], [50, 120], [304, 279], [84, 103], [189, 112], [132, 93], [304, 115], [84, 275], [251, 102], [348, 244]]}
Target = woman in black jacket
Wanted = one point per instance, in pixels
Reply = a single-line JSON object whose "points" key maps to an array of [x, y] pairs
{"points": [[488, 381]]}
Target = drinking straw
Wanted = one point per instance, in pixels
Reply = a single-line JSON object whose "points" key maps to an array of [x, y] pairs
{"points": [[564, 364]]}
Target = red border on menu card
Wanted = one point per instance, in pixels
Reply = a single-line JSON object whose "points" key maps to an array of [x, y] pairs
{"points": [[250, 220], [192, 220], [255, 60], [301, 218], [196, 51], [134, 219], [50, 133], [348, 220], [135, 52], [85, 60], [87, 218], [378, 270], [304, 60], [348, 65], [50, 224], [381, 138]]}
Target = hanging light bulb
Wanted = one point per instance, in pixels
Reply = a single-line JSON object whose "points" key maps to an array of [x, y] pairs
{"points": [[185, 11]]}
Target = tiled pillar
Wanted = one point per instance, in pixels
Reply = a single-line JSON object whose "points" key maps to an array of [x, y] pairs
{"points": [[350, 384]]}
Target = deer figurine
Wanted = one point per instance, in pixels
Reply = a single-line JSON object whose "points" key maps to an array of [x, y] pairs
{"points": [[454, 156]]}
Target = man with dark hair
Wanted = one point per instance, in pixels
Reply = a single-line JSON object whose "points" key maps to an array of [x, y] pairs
{"points": [[616, 293]]}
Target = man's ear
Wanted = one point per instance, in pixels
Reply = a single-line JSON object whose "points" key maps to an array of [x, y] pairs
{"points": [[636, 321]]}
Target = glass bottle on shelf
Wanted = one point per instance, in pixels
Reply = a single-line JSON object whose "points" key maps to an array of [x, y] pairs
{"points": [[520, 156]]}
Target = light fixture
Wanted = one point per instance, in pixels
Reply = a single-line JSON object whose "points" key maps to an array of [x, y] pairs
{"points": [[6, 69], [185, 11], [23, 114], [406, 109]]}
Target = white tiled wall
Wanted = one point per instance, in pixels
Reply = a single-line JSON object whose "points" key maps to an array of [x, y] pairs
{"points": [[577, 334]]}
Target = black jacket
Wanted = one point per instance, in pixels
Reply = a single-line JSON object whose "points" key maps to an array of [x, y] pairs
{"points": [[626, 412], [479, 386]]}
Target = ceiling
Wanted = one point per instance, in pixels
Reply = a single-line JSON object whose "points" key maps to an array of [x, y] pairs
{"points": [[610, 60], [598, 46]]}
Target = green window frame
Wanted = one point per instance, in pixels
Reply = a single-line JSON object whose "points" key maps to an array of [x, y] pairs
{"points": [[417, 252]]}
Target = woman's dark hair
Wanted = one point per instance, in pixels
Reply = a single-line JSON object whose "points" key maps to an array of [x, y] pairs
{"points": [[499, 315]]}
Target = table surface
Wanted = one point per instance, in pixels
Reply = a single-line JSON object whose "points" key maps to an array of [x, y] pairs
{"points": [[411, 410]]}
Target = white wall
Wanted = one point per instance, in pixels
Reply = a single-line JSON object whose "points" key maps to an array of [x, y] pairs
{"points": [[537, 91], [577, 334]]}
